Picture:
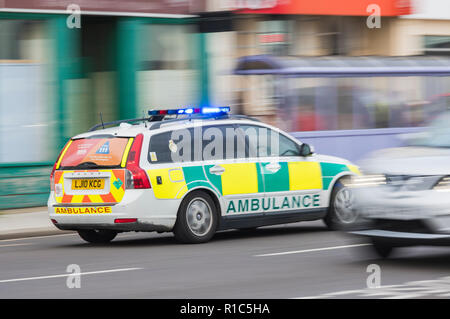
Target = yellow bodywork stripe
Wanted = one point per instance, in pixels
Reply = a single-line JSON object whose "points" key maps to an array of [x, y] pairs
{"points": [[116, 193], [96, 199], [125, 154], [239, 178], [172, 182], [63, 153], [354, 169], [304, 175], [77, 199]]}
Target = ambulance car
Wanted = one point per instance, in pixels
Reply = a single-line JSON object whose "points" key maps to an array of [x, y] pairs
{"points": [[193, 171]]}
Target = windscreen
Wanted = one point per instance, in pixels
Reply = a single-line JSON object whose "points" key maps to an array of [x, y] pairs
{"points": [[94, 153]]}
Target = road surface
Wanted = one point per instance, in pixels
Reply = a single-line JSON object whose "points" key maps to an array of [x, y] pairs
{"points": [[301, 260]]}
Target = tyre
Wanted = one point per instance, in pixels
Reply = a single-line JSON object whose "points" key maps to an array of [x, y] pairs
{"points": [[341, 213], [94, 236], [382, 249], [197, 219]]}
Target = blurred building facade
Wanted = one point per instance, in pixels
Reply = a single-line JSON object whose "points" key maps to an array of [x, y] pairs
{"points": [[327, 29], [335, 110], [57, 77], [130, 56]]}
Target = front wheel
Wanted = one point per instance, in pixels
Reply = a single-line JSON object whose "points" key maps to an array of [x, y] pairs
{"points": [[94, 236], [197, 219], [341, 212]]}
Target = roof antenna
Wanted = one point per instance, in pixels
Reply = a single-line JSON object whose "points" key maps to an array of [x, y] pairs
{"points": [[143, 116], [101, 119]]}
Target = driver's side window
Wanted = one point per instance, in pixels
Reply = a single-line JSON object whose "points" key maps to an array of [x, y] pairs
{"points": [[263, 142], [286, 147]]}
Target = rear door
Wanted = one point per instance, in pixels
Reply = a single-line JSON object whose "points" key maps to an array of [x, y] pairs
{"points": [[210, 157], [232, 172], [92, 170]]}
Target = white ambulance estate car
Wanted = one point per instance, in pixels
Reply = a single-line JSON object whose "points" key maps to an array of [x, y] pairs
{"points": [[193, 172]]}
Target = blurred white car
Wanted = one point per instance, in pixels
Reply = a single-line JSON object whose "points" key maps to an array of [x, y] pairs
{"points": [[404, 193]]}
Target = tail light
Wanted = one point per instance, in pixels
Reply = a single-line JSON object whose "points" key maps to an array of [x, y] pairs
{"points": [[138, 178], [56, 165]]}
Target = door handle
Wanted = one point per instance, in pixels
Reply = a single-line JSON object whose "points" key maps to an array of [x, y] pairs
{"points": [[217, 170], [273, 167]]}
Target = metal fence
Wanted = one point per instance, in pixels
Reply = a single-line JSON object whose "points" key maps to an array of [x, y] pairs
{"points": [[24, 185]]}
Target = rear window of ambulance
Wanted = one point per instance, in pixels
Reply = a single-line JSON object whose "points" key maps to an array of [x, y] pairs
{"points": [[95, 153]]}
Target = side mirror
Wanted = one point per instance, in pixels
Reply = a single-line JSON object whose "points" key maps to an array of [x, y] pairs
{"points": [[306, 150]]}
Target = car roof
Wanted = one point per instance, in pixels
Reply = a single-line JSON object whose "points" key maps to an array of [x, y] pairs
{"points": [[130, 130]]}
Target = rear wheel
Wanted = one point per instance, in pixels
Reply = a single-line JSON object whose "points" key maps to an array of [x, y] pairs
{"points": [[197, 219], [341, 212], [95, 236]]}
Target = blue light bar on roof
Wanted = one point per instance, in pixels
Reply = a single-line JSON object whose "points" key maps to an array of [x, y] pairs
{"points": [[191, 110], [212, 110]]}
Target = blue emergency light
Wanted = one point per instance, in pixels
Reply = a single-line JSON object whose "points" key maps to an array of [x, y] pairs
{"points": [[188, 111]]}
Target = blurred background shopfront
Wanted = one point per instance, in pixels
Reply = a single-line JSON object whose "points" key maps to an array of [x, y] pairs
{"points": [[328, 72], [255, 56], [56, 80]]}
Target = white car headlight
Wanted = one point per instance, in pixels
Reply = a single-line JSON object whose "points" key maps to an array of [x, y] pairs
{"points": [[367, 180]]}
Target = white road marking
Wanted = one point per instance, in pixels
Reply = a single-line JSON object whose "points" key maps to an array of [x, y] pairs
{"points": [[414, 289], [36, 237], [13, 245], [310, 250], [70, 274]]}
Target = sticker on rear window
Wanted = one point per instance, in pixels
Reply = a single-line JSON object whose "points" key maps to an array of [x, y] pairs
{"points": [[153, 156], [104, 149], [81, 152]]}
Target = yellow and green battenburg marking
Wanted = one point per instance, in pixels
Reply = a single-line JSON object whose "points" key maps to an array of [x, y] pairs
{"points": [[246, 178]]}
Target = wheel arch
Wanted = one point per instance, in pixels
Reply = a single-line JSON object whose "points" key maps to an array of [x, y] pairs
{"points": [[208, 191], [335, 180]]}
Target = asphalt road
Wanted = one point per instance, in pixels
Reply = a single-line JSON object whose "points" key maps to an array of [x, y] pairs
{"points": [[287, 261]]}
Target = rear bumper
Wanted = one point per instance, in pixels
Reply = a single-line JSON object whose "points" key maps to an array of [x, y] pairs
{"points": [[152, 214], [122, 227]]}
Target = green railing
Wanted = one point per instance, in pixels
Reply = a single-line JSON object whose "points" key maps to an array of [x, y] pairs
{"points": [[24, 184]]}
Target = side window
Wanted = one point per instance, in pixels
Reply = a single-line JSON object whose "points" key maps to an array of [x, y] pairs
{"points": [[172, 147], [263, 142], [159, 151], [213, 143], [287, 147], [206, 143], [222, 142], [257, 140]]}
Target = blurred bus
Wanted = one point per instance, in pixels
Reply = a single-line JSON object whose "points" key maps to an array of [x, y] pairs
{"points": [[347, 105]]}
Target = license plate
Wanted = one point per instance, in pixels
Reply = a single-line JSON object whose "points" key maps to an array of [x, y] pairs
{"points": [[88, 183]]}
